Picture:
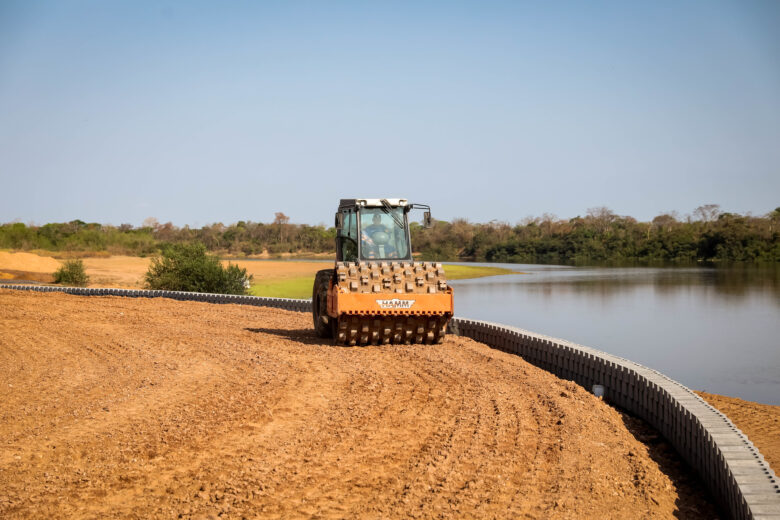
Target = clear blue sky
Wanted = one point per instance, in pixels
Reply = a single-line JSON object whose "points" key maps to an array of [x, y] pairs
{"points": [[200, 112]]}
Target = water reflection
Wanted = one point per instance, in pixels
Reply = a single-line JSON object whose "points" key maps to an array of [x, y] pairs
{"points": [[732, 282], [712, 329]]}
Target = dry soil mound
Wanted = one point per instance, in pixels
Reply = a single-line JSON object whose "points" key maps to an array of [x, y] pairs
{"points": [[28, 262], [118, 407]]}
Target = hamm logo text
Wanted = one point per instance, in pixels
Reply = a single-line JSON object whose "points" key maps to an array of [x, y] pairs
{"points": [[395, 303]]}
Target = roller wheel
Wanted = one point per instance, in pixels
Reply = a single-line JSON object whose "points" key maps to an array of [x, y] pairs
{"points": [[323, 324]]}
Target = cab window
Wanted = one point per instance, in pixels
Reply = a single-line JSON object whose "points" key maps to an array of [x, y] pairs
{"points": [[383, 234], [348, 237]]}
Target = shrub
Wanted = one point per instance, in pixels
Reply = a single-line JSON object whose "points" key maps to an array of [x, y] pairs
{"points": [[72, 273], [187, 267]]}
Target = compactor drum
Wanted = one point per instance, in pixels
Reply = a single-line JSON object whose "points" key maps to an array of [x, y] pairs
{"points": [[377, 293]]}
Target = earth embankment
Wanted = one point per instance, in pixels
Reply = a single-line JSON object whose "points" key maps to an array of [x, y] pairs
{"points": [[144, 408]]}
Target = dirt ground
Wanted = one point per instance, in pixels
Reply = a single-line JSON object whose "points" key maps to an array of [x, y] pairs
{"points": [[760, 422], [27, 262], [152, 408], [128, 272]]}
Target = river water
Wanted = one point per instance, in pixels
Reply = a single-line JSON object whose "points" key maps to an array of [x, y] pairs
{"points": [[716, 330]]}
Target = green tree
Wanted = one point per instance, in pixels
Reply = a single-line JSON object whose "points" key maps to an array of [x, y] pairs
{"points": [[72, 273], [187, 267]]}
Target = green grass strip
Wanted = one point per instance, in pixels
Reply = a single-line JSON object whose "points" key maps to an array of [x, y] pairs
{"points": [[463, 272], [285, 288], [301, 287]]}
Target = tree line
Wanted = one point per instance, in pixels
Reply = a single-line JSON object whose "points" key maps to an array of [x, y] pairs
{"points": [[602, 236], [243, 238], [709, 235]]}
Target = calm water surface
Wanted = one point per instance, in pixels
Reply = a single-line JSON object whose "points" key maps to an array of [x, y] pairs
{"points": [[711, 329]]}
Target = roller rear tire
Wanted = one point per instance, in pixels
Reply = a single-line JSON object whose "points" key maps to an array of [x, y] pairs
{"points": [[323, 324]]}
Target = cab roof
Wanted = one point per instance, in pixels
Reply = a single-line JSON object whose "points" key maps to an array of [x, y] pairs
{"points": [[351, 203]]}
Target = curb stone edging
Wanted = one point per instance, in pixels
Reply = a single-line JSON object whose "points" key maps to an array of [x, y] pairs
{"points": [[258, 301], [730, 465]]}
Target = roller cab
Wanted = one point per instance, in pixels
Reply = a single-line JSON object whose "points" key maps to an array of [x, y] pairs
{"points": [[376, 293]]}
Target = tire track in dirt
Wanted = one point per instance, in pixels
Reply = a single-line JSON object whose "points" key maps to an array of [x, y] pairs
{"points": [[135, 408]]}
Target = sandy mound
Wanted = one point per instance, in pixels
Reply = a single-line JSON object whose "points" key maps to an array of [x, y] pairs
{"points": [[118, 407], [28, 262]]}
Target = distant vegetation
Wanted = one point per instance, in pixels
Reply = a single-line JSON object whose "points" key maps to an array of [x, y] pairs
{"points": [[242, 238], [188, 267], [72, 274], [602, 236], [709, 235]]}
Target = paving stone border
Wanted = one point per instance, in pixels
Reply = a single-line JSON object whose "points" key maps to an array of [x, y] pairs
{"points": [[279, 303], [733, 469]]}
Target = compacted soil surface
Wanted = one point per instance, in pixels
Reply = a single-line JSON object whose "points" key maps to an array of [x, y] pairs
{"points": [[151, 408]]}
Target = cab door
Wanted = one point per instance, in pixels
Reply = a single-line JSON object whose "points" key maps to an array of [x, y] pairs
{"points": [[346, 239]]}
